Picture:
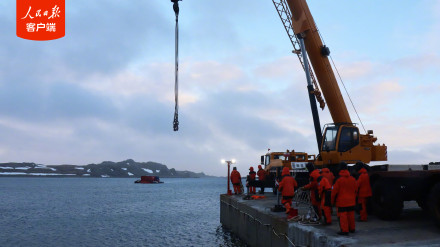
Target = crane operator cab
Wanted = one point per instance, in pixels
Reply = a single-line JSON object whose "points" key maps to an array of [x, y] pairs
{"points": [[344, 143], [349, 138]]}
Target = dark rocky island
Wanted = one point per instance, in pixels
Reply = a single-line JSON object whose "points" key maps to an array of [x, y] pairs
{"points": [[123, 169]]}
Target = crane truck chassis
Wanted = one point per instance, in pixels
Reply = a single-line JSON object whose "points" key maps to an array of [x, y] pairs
{"points": [[391, 184], [342, 141]]}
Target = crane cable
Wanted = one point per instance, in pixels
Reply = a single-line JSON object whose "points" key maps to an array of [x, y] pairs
{"points": [[343, 84], [176, 72]]}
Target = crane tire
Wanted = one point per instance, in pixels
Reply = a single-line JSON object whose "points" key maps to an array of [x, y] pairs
{"points": [[423, 204], [434, 202], [387, 202]]}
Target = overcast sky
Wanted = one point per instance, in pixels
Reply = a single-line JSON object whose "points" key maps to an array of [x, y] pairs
{"points": [[106, 90]]}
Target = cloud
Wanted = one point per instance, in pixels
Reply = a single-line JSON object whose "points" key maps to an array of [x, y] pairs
{"points": [[106, 90], [419, 63], [92, 43], [356, 70], [406, 157], [45, 102], [281, 68], [423, 154], [431, 38], [211, 74]]}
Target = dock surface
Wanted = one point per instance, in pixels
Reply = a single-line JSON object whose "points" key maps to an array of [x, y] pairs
{"points": [[257, 225]]}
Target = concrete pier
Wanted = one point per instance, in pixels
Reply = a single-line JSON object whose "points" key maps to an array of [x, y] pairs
{"points": [[257, 225]]}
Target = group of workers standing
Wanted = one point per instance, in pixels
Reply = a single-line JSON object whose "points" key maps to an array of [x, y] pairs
{"points": [[236, 180], [344, 192]]}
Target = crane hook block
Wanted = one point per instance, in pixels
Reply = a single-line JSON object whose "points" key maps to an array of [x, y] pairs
{"points": [[176, 6], [325, 51]]}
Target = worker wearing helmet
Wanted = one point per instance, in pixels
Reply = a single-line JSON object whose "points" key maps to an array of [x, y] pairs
{"points": [[325, 194], [325, 172], [236, 180], [262, 178], [251, 178], [287, 188], [344, 195], [314, 192], [364, 192]]}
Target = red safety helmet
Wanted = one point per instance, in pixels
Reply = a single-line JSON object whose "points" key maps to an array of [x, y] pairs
{"points": [[314, 175]]}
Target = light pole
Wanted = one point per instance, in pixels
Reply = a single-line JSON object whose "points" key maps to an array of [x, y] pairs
{"points": [[229, 162]]}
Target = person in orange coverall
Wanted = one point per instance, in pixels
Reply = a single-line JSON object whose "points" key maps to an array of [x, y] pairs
{"points": [[344, 194], [236, 180], [325, 193], [287, 188], [251, 177], [262, 177], [314, 192], [364, 192], [325, 172]]}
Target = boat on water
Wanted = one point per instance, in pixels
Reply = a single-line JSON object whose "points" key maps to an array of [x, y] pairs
{"points": [[148, 180]]}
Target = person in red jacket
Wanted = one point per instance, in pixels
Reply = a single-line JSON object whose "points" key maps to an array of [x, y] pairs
{"points": [[287, 188], [236, 180], [314, 192], [262, 177], [344, 195], [364, 192], [251, 177], [325, 193], [325, 172]]}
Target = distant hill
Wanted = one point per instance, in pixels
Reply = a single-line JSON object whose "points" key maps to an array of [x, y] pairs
{"points": [[123, 169]]}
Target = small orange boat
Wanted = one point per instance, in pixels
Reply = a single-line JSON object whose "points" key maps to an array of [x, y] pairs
{"points": [[148, 180]]}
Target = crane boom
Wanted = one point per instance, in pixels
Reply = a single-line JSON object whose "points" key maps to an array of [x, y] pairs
{"points": [[304, 24]]}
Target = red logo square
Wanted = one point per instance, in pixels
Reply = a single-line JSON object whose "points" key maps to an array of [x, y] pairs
{"points": [[40, 19]]}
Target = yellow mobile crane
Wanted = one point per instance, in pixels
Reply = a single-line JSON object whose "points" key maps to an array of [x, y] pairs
{"points": [[342, 141]]}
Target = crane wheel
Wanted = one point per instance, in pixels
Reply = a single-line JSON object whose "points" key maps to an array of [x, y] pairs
{"points": [[434, 202], [423, 204], [387, 202]]}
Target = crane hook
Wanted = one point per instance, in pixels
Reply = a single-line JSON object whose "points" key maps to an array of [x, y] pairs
{"points": [[176, 6]]}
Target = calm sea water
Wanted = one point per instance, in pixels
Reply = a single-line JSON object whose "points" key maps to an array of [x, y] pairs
{"points": [[112, 212]]}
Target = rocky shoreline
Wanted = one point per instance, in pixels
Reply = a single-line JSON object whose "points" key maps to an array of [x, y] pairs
{"points": [[123, 169]]}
